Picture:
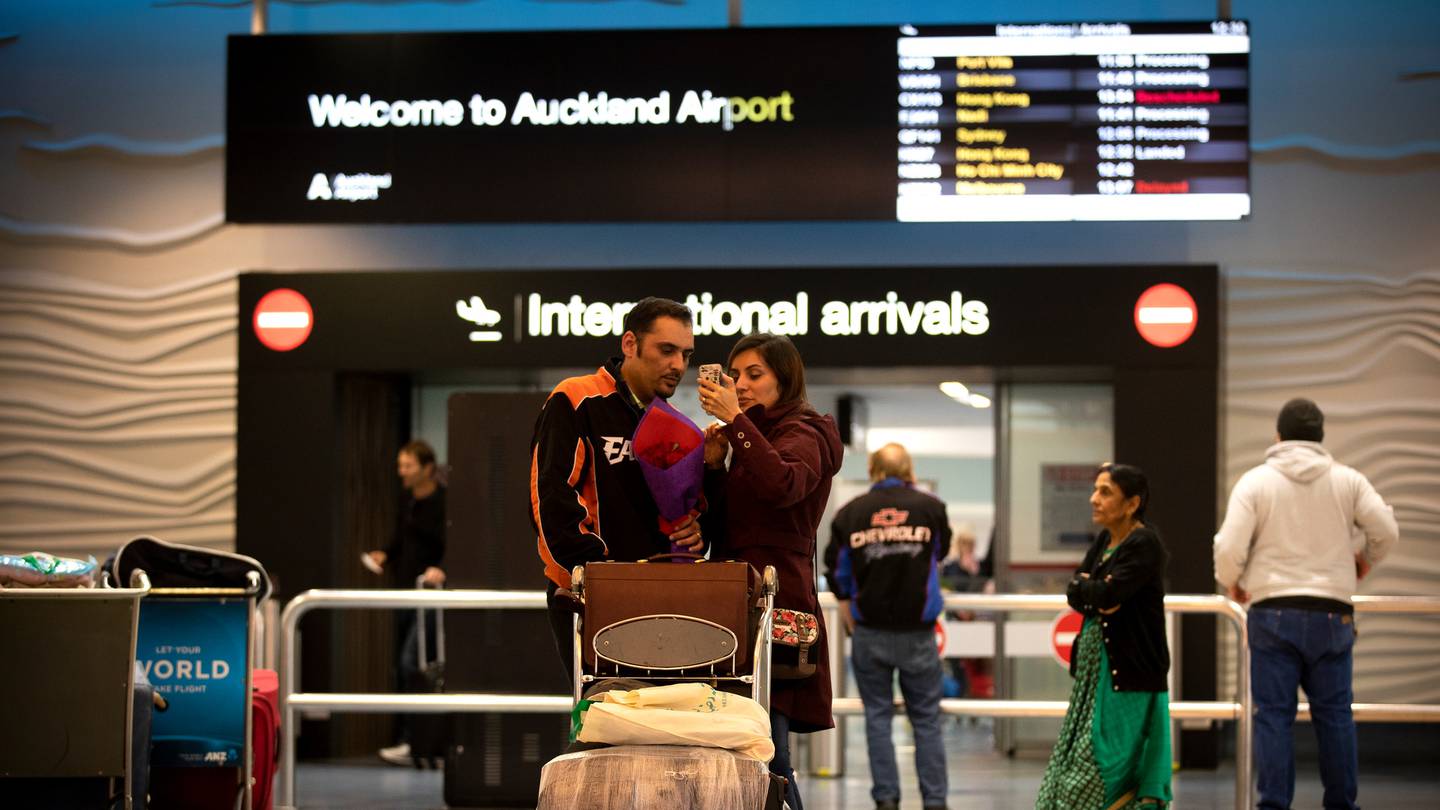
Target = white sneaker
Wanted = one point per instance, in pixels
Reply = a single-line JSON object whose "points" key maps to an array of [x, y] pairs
{"points": [[397, 755]]}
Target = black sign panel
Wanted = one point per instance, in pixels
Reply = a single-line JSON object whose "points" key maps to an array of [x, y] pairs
{"points": [[975, 123], [560, 126], [838, 317]]}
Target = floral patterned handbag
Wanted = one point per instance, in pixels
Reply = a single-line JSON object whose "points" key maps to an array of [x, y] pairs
{"points": [[793, 634]]}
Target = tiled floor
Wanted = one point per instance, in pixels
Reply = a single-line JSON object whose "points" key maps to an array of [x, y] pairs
{"points": [[979, 780]]}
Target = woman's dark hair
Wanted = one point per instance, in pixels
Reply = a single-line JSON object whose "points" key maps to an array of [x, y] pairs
{"points": [[782, 357], [1132, 482], [421, 450]]}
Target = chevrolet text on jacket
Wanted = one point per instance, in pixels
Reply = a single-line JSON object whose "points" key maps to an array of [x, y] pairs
{"points": [[883, 553], [1290, 527], [588, 498]]}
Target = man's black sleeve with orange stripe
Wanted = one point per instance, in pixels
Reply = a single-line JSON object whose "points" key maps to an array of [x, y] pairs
{"points": [[561, 461]]}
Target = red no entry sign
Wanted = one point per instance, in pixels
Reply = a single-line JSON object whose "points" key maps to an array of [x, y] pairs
{"points": [[1165, 315], [283, 319], [1063, 632]]}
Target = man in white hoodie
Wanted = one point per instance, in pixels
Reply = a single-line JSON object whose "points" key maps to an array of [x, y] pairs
{"points": [[1290, 543]]}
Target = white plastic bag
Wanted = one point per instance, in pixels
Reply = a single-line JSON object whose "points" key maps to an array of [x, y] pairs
{"points": [[680, 714]]}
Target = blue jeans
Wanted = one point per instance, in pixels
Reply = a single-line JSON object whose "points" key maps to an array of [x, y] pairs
{"points": [[780, 765], [876, 655], [1310, 649]]}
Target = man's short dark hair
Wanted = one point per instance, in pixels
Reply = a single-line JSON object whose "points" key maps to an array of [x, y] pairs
{"points": [[421, 451], [1301, 420], [641, 319]]}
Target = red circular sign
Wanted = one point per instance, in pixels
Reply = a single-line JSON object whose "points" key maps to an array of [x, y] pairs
{"points": [[283, 319], [1165, 315], [1063, 632]]}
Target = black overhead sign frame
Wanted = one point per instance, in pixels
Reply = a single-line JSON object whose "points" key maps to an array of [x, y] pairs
{"points": [[838, 317]]}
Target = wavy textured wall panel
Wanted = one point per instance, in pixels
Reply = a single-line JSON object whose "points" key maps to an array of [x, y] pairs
{"points": [[117, 412]]}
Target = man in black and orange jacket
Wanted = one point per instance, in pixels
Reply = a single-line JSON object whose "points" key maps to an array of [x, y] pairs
{"points": [[588, 498]]}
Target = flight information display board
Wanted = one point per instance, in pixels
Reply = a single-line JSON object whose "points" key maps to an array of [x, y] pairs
{"points": [[1103, 121], [976, 123]]}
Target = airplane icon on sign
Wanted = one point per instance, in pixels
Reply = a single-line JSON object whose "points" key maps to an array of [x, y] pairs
{"points": [[475, 311]]}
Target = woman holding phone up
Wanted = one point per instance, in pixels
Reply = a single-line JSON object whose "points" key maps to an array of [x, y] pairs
{"points": [[765, 508]]}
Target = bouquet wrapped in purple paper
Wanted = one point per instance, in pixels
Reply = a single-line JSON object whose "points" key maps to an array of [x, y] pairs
{"points": [[671, 452]]}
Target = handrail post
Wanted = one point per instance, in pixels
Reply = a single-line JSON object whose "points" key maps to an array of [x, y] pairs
{"points": [[1247, 708], [1243, 724], [289, 718]]}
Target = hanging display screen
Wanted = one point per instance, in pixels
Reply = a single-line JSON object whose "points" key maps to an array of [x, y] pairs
{"points": [[976, 123]]}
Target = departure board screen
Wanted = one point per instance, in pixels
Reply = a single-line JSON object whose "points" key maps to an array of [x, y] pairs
{"points": [[976, 123], [1060, 122]]}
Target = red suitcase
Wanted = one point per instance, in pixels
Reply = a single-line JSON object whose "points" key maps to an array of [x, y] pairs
{"points": [[219, 788], [264, 736]]}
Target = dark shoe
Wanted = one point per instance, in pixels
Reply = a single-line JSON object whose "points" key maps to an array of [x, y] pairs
{"points": [[936, 807], [888, 804]]}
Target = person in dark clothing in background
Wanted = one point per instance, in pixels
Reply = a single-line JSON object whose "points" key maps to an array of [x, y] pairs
{"points": [[962, 571], [415, 552], [882, 565]]}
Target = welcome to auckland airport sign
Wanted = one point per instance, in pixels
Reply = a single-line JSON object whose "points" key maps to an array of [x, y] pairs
{"points": [[838, 317]]}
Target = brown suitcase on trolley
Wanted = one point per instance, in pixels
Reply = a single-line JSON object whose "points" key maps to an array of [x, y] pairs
{"points": [[727, 594]]}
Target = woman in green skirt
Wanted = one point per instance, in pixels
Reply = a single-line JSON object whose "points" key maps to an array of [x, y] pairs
{"points": [[1114, 746]]}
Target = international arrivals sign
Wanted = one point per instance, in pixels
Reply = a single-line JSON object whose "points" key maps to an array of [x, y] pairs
{"points": [[948, 315], [838, 317]]}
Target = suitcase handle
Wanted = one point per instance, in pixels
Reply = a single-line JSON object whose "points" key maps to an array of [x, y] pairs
{"points": [[674, 555], [420, 630]]}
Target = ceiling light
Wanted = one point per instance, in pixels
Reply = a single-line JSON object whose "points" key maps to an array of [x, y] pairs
{"points": [[979, 401], [955, 390]]}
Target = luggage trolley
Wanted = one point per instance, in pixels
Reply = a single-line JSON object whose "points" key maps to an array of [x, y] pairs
{"points": [[69, 678], [674, 618]]}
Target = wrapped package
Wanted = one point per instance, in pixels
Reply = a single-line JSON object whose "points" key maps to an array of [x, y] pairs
{"points": [[682, 714], [40, 570], [633, 777]]}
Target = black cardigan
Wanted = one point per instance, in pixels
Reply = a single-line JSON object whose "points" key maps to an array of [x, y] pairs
{"points": [[1135, 634]]}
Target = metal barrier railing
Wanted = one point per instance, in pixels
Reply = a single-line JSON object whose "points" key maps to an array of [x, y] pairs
{"points": [[292, 702], [1238, 710], [1391, 712], [826, 748]]}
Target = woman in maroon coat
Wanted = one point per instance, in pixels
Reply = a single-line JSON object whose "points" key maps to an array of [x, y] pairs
{"points": [[765, 509]]}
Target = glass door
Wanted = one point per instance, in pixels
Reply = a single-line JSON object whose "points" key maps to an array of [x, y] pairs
{"points": [[1052, 437]]}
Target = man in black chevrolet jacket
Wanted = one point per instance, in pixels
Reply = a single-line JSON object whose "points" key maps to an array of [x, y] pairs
{"points": [[588, 498], [881, 564]]}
